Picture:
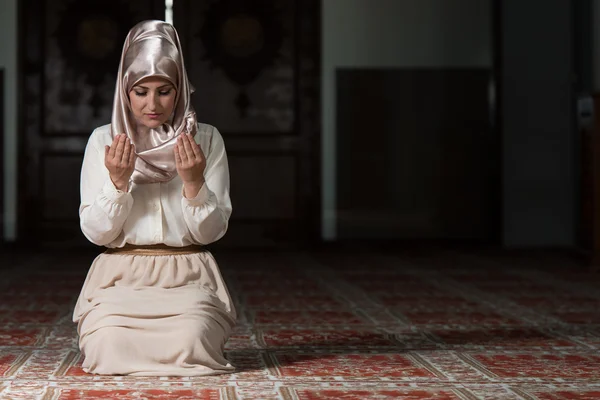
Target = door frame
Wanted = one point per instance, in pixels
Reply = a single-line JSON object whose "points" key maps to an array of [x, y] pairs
{"points": [[309, 160], [34, 142], [304, 143]]}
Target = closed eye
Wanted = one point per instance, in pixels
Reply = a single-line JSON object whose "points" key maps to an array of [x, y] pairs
{"points": [[161, 92]]}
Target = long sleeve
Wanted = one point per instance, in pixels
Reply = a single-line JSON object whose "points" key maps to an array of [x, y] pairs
{"points": [[207, 214], [103, 208]]}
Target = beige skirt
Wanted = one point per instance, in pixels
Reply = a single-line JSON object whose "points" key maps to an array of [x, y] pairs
{"points": [[149, 315]]}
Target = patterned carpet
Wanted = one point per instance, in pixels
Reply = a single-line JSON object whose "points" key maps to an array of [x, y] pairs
{"points": [[345, 326]]}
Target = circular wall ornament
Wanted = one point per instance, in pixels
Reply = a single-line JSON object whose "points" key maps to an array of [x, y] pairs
{"points": [[242, 38], [97, 37], [90, 36]]}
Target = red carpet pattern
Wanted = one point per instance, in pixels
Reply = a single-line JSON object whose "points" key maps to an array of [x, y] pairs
{"points": [[442, 325]]}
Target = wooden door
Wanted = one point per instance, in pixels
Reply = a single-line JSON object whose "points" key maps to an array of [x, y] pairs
{"points": [[69, 55], [255, 67], [435, 160]]}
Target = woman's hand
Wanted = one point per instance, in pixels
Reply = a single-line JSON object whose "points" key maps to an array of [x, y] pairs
{"points": [[191, 163], [119, 159]]}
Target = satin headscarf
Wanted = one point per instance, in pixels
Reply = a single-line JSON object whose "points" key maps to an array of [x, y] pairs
{"points": [[152, 48]]}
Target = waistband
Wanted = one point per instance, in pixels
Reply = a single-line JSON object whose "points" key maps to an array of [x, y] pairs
{"points": [[156, 250]]}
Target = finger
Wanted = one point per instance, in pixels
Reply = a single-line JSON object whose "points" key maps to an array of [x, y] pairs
{"points": [[126, 152], [177, 156], [106, 150], [113, 146], [182, 152], [188, 147], [119, 150], [195, 148], [132, 155]]}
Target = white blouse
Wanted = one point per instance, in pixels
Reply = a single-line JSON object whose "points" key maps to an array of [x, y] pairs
{"points": [[159, 212]]}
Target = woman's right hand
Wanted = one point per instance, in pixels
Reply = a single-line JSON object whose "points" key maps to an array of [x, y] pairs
{"points": [[119, 159]]}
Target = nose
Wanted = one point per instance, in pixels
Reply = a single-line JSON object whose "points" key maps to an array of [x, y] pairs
{"points": [[152, 102]]}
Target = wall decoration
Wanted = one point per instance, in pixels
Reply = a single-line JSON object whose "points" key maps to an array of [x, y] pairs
{"points": [[82, 44], [241, 61], [242, 38]]}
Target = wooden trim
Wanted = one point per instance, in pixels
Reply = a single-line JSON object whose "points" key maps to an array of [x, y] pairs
{"points": [[312, 125], [30, 27], [21, 113], [594, 142], [2, 155], [497, 125]]}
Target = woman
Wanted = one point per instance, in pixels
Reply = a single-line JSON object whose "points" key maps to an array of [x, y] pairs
{"points": [[154, 190]]}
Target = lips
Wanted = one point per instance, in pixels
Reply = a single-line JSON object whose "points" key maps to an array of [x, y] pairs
{"points": [[153, 116]]}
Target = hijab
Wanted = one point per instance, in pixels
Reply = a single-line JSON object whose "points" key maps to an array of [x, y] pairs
{"points": [[152, 49]]}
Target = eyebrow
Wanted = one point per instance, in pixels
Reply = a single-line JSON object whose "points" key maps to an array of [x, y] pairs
{"points": [[160, 87]]}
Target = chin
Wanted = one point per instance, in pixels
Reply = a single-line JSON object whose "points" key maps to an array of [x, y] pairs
{"points": [[153, 123]]}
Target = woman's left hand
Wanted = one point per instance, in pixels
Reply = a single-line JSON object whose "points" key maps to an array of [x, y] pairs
{"points": [[191, 163]]}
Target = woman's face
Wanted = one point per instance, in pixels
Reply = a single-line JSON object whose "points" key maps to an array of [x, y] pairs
{"points": [[152, 101]]}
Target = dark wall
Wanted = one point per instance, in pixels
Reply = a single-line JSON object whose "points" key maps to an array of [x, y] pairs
{"points": [[539, 174]]}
